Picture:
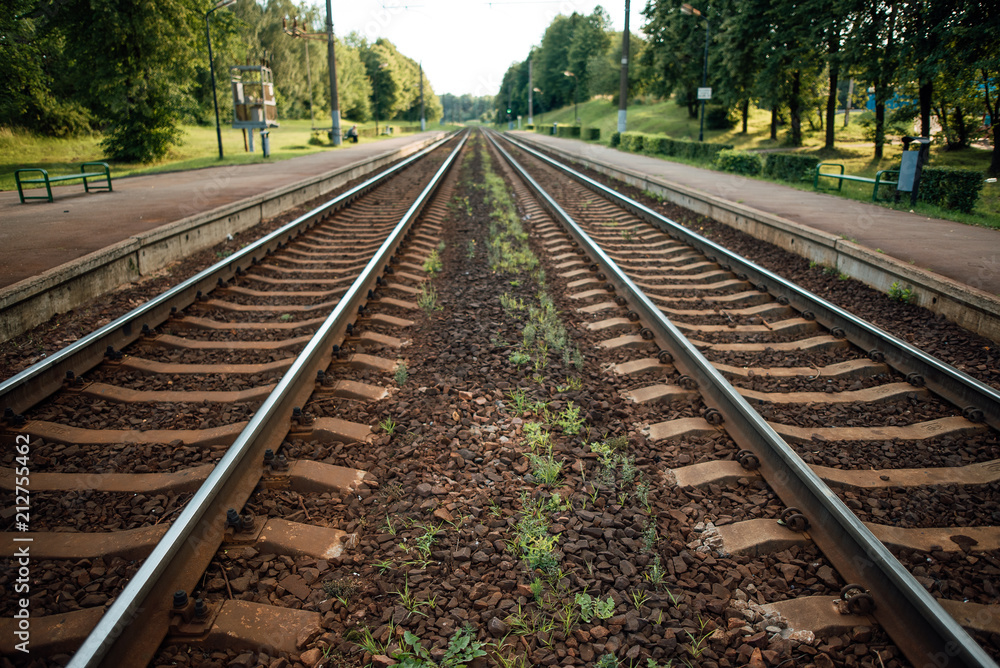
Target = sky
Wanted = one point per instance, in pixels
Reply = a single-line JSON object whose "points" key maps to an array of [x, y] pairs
{"points": [[465, 45]]}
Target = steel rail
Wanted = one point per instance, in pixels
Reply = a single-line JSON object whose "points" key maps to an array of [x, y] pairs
{"points": [[945, 380], [904, 608], [23, 390], [202, 517]]}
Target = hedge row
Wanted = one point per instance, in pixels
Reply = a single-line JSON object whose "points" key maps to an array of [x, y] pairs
{"points": [[950, 188], [790, 166], [637, 142], [739, 162], [569, 130], [591, 134]]}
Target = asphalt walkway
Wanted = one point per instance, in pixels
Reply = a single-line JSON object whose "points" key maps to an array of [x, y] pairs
{"points": [[964, 253], [40, 235]]}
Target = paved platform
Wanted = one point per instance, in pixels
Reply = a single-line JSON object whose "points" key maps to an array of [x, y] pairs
{"points": [[39, 235], [964, 253]]}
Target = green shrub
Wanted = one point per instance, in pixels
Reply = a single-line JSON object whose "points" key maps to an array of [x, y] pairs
{"points": [[632, 141], [637, 142], [616, 139], [591, 134], [569, 130], [529, 126], [718, 118], [739, 162], [790, 166], [659, 145], [950, 188]]}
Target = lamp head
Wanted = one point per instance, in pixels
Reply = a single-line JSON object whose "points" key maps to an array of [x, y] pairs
{"points": [[688, 9], [569, 74]]}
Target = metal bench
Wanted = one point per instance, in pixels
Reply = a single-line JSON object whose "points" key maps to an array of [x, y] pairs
{"points": [[49, 180], [878, 180]]}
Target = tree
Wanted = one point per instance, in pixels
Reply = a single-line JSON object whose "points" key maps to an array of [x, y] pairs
{"points": [[136, 56], [675, 54], [975, 37], [739, 29], [872, 48], [790, 60], [590, 38], [604, 69], [33, 68]]}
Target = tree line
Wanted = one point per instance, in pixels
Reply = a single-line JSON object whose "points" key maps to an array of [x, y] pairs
{"points": [[135, 70], [464, 108], [579, 57], [918, 58]]}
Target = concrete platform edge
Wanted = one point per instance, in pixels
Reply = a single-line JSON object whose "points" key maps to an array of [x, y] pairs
{"points": [[974, 309], [33, 301]]}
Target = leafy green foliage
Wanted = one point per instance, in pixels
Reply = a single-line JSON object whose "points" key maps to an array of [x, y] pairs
{"points": [[790, 166], [531, 534], [718, 118], [402, 373], [638, 142], [591, 134], [569, 130], [900, 294], [137, 60], [433, 264], [739, 162], [545, 468], [951, 188], [594, 607], [570, 420], [32, 62], [632, 141], [463, 648], [615, 139]]}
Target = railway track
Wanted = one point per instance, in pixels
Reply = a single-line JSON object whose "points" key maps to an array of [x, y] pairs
{"points": [[159, 446], [497, 447], [786, 375]]}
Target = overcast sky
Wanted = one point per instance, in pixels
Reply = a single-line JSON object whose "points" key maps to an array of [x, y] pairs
{"points": [[465, 45]]}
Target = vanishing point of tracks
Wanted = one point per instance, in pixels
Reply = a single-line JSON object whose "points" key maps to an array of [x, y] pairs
{"points": [[198, 461]]}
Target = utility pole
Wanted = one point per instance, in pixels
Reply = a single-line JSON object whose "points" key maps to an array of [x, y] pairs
{"points": [[623, 89], [531, 85], [423, 121], [334, 103]]}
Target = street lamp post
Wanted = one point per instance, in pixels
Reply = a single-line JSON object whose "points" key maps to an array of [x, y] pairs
{"points": [[541, 114], [576, 115], [211, 68], [688, 9]]}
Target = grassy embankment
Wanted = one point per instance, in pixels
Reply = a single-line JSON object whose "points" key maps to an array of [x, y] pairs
{"points": [[852, 150], [199, 149]]}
